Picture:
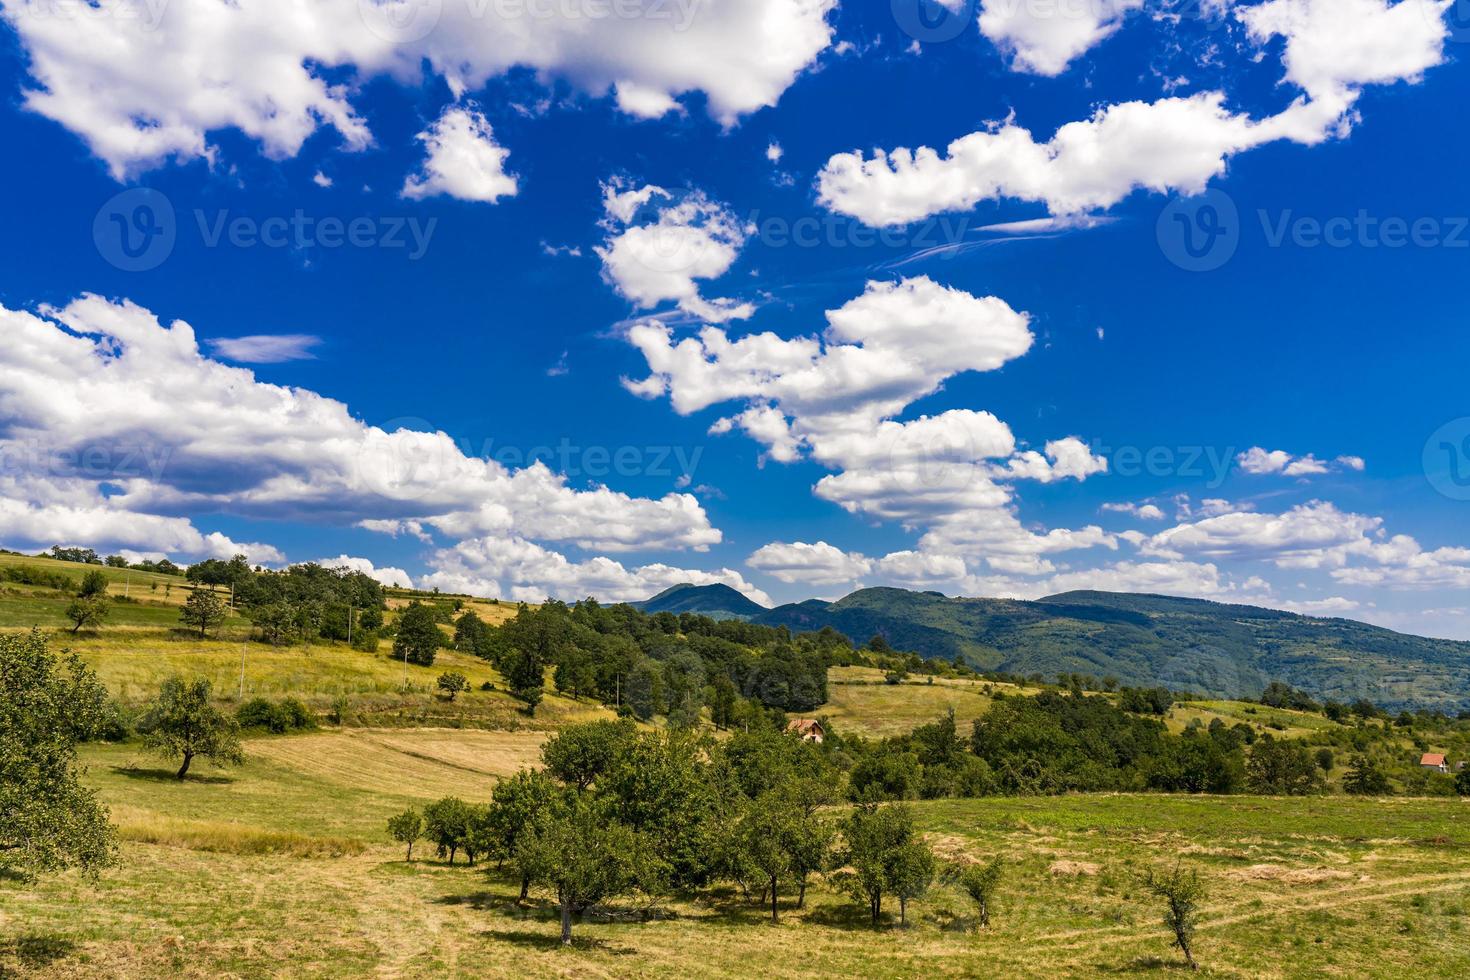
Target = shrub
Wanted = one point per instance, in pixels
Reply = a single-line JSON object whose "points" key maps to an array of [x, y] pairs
{"points": [[278, 717]]}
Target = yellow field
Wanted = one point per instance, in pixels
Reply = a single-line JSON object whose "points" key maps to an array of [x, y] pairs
{"points": [[860, 702]]}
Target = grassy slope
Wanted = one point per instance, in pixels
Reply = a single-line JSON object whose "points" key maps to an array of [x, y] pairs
{"points": [[282, 866]]}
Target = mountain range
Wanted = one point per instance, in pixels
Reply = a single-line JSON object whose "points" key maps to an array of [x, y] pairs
{"points": [[1214, 648]]}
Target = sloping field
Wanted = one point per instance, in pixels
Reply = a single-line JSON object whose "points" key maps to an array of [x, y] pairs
{"points": [[426, 763]]}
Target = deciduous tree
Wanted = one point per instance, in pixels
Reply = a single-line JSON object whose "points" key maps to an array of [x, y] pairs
{"points": [[181, 723], [48, 821]]}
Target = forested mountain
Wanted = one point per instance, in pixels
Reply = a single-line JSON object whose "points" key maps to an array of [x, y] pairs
{"points": [[1185, 644]]}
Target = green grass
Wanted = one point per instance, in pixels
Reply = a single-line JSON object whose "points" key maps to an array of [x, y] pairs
{"points": [[281, 867]]}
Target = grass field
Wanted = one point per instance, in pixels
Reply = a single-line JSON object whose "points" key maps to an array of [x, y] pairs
{"points": [[281, 868]]}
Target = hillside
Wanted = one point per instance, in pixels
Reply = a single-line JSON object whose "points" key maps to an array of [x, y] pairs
{"points": [[1186, 644], [714, 601]]}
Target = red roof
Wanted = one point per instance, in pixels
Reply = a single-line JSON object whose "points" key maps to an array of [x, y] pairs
{"points": [[1432, 759], [803, 725]]}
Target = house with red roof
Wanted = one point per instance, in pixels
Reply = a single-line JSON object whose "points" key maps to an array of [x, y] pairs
{"points": [[1435, 761]]}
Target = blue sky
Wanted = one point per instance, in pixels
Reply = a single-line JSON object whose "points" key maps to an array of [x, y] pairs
{"points": [[1174, 301]]}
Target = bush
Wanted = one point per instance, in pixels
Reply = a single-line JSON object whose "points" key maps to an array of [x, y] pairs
{"points": [[277, 717]]}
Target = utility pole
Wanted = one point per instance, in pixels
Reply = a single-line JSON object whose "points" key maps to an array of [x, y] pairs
{"points": [[350, 610]]}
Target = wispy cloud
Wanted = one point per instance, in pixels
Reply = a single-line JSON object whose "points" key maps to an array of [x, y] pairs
{"points": [[267, 348]]}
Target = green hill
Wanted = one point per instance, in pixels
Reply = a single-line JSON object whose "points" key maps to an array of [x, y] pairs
{"points": [[714, 601], [1186, 644]]}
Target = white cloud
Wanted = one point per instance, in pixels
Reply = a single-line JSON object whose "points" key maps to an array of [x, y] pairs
{"points": [[68, 513], [657, 246], [396, 577], [266, 348], [835, 399], [1146, 512], [1312, 535], [141, 90], [511, 567], [811, 564], [462, 160], [1175, 144], [1333, 48], [107, 381], [321, 180], [1261, 462], [1044, 38], [774, 153]]}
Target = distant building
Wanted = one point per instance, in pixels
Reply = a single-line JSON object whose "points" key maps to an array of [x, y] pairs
{"points": [[1435, 761], [809, 729]]}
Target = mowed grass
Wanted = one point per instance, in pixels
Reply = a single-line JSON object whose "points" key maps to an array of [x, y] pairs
{"points": [[282, 868], [860, 702]]}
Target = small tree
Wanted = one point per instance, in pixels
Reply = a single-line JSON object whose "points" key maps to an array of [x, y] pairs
{"points": [[87, 611], [1364, 778], [581, 852], [447, 825], [911, 872], [1182, 892], [980, 882], [1325, 759], [406, 828], [204, 610], [1462, 782], [418, 635], [452, 683], [94, 583], [48, 821], [875, 839], [181, 723], [516, 803]]}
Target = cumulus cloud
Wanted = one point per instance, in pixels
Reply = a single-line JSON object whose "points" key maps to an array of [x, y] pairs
{"points": [[1174, 144], [36, 514], [1146, 512], [1259, 462], [658, 244], [213, 437], [835, 398], [1044, 39], [1177, 144], [395, 577], [811, 564], [512, 567], [141, 90], [462, 160]]}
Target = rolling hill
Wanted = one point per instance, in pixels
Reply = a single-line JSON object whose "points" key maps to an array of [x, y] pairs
{"points": [[1213, 648], [714, 601]]}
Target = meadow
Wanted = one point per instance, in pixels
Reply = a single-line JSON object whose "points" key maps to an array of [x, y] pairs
{"points": [[282, 866]]}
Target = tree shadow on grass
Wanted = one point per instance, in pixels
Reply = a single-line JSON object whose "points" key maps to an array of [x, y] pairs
{"points": [[551, 941], [1143, 963], [34, 951], [170, 776], [852, 917]]}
